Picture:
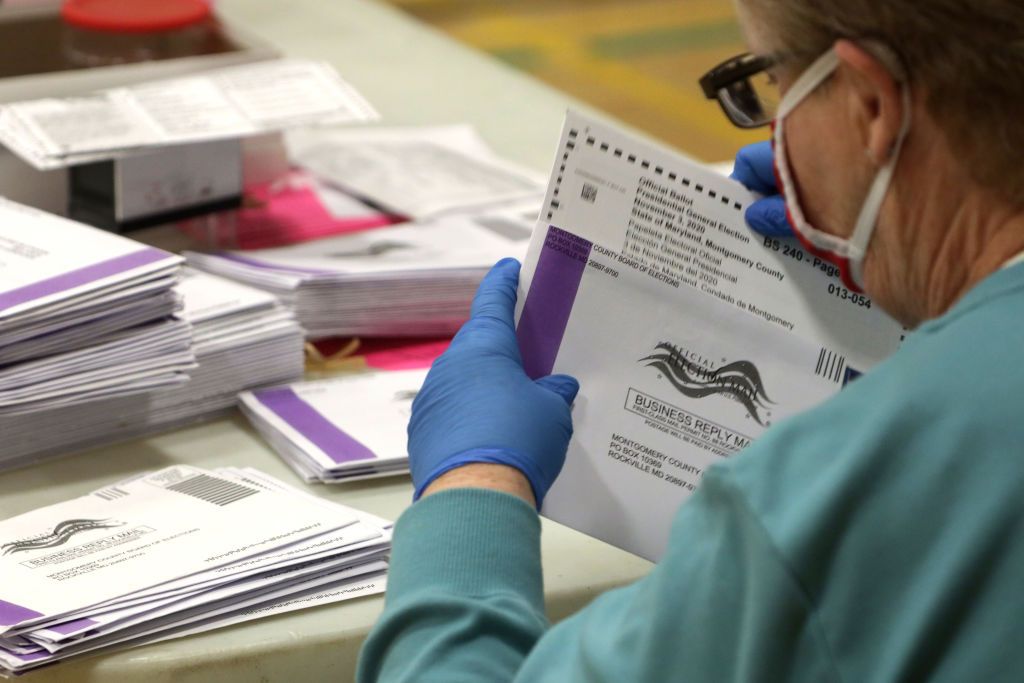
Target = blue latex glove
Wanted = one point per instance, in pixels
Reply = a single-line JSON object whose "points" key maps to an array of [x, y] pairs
{"points": [[478, 405], [755, 168]]}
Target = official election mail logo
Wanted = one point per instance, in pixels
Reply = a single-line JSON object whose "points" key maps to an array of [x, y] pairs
{"points": [[61, 534], [695, 376]]}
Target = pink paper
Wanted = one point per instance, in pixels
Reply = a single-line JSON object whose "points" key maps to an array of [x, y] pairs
{"points": [[279, 213], [406, 356]]}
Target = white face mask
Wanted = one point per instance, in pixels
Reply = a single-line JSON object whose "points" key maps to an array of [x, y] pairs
{"points": [[846, 253]]}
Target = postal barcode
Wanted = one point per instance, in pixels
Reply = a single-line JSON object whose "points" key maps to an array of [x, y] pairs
{"points": [[830, 365], [589, 193], [212, 489], [111, 493]]}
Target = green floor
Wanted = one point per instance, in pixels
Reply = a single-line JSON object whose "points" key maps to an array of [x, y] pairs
{"points": [[638, 59]]}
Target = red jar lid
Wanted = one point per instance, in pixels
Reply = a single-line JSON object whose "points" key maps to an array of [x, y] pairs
{"points": [[134, 16]]}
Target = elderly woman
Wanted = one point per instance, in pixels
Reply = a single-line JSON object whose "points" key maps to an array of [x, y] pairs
{"points": [[879, 537]]}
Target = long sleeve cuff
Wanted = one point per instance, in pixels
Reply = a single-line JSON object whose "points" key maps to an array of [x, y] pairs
{"points": [[468, 542]]}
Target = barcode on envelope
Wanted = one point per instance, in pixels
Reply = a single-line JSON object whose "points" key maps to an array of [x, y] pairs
{"points": [[212, 489], [830, 366], [589, 193], [111, 493]]}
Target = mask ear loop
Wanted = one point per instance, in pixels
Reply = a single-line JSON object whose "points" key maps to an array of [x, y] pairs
{"points": [[867, 221], [808, 81]]}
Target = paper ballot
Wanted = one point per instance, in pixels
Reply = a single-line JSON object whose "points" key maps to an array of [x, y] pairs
{"points": [[312, 598], [175, 522], [47, 262], [241, 337], [339, 429], [689, 334], [414, 279], [232, 102], [84, 314], [171, 552]]}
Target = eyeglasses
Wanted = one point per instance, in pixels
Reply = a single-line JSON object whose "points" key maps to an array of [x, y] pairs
{"points": [[745, 90]]}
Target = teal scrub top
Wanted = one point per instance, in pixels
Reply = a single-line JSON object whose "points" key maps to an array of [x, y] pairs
{"points": [[878, 537]]}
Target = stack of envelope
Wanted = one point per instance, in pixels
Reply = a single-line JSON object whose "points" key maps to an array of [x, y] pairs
{"points": [[84, 314], [243, 338], [414, 279], [174, 552], [339, 429], [228, 103]]}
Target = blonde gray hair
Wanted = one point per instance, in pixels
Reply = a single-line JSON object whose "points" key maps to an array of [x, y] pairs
{"points": [[967, 56]]}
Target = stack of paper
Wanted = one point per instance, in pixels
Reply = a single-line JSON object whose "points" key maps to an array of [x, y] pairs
{"points": [[172, 552], [243, 338], [339, 429], [415, 279], [421, 172], [226, 103], [84, 314]]}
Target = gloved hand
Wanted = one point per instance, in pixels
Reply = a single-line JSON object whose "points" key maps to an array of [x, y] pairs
{"points": [[478, 405], [755, 168]]}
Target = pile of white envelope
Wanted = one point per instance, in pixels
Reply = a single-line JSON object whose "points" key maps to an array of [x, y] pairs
{"points": [[467, 207], [232, 102], [340, 429], [175, 552], [84, 314], [243, 338], [413, 279]]}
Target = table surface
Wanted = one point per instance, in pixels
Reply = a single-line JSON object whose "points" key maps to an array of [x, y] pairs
{"points": [[413, 75]]}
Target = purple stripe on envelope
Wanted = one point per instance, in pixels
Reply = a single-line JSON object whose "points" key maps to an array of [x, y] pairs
{"points": [[550, 299], [69, 627], [303, 418], [256, 263], [82, 276], [11, 614], [31, 656]]}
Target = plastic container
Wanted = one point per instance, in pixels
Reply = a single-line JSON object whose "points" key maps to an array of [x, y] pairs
{"points": [[109, 32]]}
